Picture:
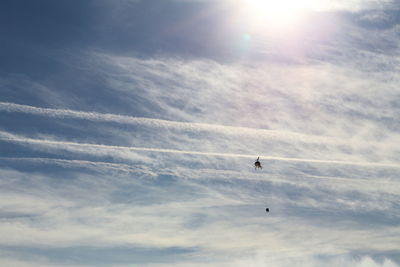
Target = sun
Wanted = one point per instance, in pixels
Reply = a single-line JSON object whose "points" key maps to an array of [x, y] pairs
{"points": [[276, 11]]}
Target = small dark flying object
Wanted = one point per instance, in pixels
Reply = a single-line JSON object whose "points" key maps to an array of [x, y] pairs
{"points": [[257, 164], [267, 210]]}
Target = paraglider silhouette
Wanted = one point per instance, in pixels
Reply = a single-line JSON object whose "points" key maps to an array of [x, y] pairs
{"points": [[257, 164]]}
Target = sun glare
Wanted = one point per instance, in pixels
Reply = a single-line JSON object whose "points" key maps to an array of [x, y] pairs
{"points": [[276, 11]]}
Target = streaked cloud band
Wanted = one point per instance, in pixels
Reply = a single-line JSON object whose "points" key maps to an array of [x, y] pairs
{"points": [[68, 145]]}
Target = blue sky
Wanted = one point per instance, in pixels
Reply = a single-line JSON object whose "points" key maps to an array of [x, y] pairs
{"points": [[129, 129]]}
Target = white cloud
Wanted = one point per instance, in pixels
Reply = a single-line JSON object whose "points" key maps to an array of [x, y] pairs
{"points": [[124, 151], [268, 259]]}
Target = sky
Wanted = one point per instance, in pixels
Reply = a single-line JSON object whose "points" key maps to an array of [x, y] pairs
{"points": [[129, 131]]}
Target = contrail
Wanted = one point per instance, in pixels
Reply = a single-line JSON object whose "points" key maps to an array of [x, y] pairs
{"points": [[188, 126], [12, 138], [200, 173], [83, 163]]}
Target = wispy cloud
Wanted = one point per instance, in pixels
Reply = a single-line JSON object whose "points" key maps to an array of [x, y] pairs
{"points": [[79, 211], [183, 126], [82, 147]]}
